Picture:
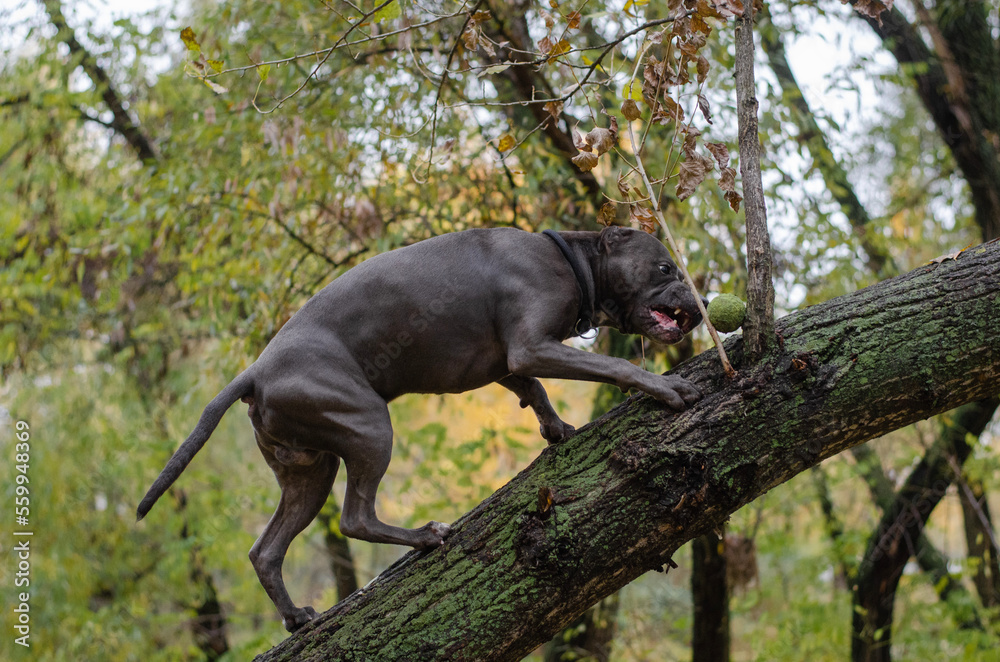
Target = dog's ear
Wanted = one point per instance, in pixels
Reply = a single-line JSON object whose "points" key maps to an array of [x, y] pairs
{"points": [[612, 237]]}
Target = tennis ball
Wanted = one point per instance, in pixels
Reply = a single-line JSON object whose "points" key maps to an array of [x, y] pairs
{"points": [[726, 312]]}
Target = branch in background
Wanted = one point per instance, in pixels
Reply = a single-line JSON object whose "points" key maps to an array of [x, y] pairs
{"points": [[879, 261], [758, 329], [901, 526], [122, 122], [974, 153]]}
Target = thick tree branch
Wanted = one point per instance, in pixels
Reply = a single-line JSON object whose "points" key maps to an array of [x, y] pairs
{"points": [[624, 493]]}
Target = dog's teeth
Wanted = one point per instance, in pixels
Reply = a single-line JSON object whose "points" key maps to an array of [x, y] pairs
{"points": [[678, 312]]}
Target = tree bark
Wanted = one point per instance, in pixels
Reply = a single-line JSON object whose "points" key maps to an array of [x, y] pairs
{"points": [[758, 329], [624, 493], [710, 595], [895, 538]]}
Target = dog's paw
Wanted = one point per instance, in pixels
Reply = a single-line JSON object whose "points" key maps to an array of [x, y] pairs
{"points": [[298, 618], [432, 535], [556, 431], [677, 392]]}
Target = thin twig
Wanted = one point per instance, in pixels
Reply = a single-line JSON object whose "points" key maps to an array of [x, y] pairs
{"points": [[726, 366]]}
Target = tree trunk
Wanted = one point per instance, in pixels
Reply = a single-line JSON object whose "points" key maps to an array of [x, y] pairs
{"points": [[626, 491], [759, 325], [980, 537], [895, 538], [338, 548], [710, 595]]}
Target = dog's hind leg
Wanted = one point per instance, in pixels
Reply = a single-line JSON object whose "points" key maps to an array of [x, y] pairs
{"points": [[366, 458], [305, 478]]}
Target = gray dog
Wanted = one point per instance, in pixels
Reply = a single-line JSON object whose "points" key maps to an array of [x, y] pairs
{"points": [[445, 315]]}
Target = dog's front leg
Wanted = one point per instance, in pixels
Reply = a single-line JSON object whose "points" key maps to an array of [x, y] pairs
{"points": [[532, 394], [553, 359]]}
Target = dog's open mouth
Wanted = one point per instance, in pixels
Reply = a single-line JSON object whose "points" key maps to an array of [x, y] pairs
{"points": [[670, 321]]}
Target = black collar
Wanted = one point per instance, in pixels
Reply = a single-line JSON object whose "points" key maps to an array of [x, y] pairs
{"points": [[585, 320]]}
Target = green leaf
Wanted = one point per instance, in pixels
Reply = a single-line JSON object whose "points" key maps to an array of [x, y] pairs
{"points": [[217, 65], [387, 13], [632, 90], [187, 36], [263, 70]]}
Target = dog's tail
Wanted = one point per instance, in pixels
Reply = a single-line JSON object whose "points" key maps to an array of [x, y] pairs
{"points": [[239, 387]]}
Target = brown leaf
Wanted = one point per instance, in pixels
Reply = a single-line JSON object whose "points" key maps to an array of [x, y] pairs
{"points": [[572, 20], [734, 199], [600, 139], [720, 152], [701, 63], [481, 16], [623, 186], [545, 45], [579, 142], [668, 112], [470, 37], [554, 108], [630, 110], [608, 214], [638, 215], [560, 47], [690, 141], [871, 8], [727, 179], [704, 108], [693, 171], [585, 161], [727, 8]]}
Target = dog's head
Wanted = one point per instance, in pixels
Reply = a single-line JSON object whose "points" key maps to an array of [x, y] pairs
{"points": [[642, 290]]}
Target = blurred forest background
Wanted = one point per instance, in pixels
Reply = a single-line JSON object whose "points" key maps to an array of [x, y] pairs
{"points": [[169, 197]]}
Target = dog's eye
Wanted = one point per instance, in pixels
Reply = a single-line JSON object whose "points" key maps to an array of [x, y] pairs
{"points": [[666, 269]]}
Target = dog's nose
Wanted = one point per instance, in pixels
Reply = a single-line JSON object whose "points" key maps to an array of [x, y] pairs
{"points": [[704, 301]]}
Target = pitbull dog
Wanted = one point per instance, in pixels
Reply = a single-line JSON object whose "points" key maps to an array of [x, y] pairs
{"points": [[445, 315]]}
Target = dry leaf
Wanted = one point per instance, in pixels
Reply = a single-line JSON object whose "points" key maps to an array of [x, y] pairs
{"points": [[507, 142], [608, 214], [585, 161], [720, 152], [693, 171], [630, 110], [554, 108], [704, 108], [734, 199], [579, 142], [638, 215], [573, 20], [623, 186], [872, 8], [728, 8], [701, 64]]}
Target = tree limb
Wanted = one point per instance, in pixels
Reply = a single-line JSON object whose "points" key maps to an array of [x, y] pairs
{"points": [[122, 122], [629, 489]]}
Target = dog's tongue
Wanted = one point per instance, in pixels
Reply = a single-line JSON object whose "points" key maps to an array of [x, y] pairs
{"points": [[664, 320]]}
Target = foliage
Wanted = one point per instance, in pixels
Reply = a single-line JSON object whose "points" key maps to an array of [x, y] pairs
{"points": [[130, 289]]}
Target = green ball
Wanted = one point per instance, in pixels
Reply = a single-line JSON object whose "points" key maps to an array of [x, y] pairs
{"points": [[726, 312]]}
